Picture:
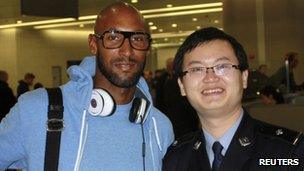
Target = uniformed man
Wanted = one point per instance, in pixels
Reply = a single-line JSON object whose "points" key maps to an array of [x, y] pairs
{"points": [[213, 71]]}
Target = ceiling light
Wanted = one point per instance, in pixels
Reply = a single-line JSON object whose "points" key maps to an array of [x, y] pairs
{"points": [[88, 17], [63, 24], [150, 23], [186, 7], [174, 25], [198, 27], [171, 34], [170, 14], [160, 30], [165, 12], [194, 19], [169, 5], [134, 1], [153, 27], [37, 23], [19, 22], [216, 21], [165, 45], [166, 39]]}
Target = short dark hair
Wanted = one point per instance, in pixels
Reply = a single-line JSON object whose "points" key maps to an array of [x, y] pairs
{"points": [[29, 76], [203, 36], [261, 66], [38, 85], [291, 56]]}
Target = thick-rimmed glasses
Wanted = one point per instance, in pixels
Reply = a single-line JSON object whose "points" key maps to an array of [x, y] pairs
{"points": [[219, 70], [113, 39]]}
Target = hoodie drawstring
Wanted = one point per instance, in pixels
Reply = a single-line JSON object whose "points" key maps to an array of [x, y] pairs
{"points": [[82, 141]]}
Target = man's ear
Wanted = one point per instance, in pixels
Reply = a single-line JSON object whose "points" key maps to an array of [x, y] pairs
{"points": [[181, 87], [92, 44], [245, 78]]}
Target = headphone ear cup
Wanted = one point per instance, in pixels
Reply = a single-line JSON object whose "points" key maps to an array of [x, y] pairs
{"points": [[138, 111], [102, 103]]}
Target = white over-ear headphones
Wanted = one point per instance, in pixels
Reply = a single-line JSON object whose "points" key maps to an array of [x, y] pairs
{"points": [[102, 103], [138, 111]]}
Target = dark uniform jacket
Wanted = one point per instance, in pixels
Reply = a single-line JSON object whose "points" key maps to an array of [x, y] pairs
{"points": [[255, 143]]}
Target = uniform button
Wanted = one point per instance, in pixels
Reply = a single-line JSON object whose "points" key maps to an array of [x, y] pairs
{"points": [[175, 143]]}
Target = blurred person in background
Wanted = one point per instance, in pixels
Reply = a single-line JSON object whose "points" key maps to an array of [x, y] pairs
{"points": [[177, 108], [257, 80], [24, 85], [38, 85], [279, 78], [148, 75], [7, 98], [270, 96]]}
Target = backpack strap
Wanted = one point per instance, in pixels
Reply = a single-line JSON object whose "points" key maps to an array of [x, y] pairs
{"points": [[54, 127]]}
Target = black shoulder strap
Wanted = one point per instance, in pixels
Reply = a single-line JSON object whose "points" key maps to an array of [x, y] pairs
{"points": [[54, 127]]}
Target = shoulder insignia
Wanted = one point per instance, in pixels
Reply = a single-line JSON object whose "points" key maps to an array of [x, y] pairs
{"points": [[291, 136], [180, 142], [197, 145], [244, 141]]}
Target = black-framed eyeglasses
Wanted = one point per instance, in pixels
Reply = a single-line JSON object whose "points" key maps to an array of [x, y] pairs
{"points": [[113, 39], [219, 70]]}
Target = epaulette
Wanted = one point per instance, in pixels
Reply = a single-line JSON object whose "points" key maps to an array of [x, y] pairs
{"points": [[183, 140], [288, 135], [179, 142]]}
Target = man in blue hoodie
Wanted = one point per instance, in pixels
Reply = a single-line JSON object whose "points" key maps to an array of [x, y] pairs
{"points": [[89, 139]]}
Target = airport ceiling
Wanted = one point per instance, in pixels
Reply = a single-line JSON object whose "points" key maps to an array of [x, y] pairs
{"points": [[170, 20]]}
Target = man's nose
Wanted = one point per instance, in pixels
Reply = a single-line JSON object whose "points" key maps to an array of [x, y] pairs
{"points": [[210, 76], [126, 48]]}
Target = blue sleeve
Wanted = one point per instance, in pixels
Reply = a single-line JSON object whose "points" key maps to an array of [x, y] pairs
{"points": [[169, 138], [165, 130], [11, 138]]}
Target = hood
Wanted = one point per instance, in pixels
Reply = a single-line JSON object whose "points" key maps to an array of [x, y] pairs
{"points": [[83, 75]]}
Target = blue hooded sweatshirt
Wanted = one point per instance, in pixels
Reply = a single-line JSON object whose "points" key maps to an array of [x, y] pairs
{"points": [[88, 142]]}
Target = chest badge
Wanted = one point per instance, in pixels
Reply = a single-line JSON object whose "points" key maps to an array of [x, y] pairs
{"points": [[244, 141]]}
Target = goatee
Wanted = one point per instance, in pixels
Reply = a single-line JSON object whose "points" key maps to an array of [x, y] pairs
{"points": [[114, 78]]}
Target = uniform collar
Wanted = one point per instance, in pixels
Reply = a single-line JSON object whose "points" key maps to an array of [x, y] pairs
{"points": [[242, 144], [224, 140]]}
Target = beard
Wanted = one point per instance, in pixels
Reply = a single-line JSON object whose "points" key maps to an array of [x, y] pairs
{"points": [[114, 78]]}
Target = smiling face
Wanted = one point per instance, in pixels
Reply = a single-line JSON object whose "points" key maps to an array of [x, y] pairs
{"points": [[212, 92], [122, 66]]}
